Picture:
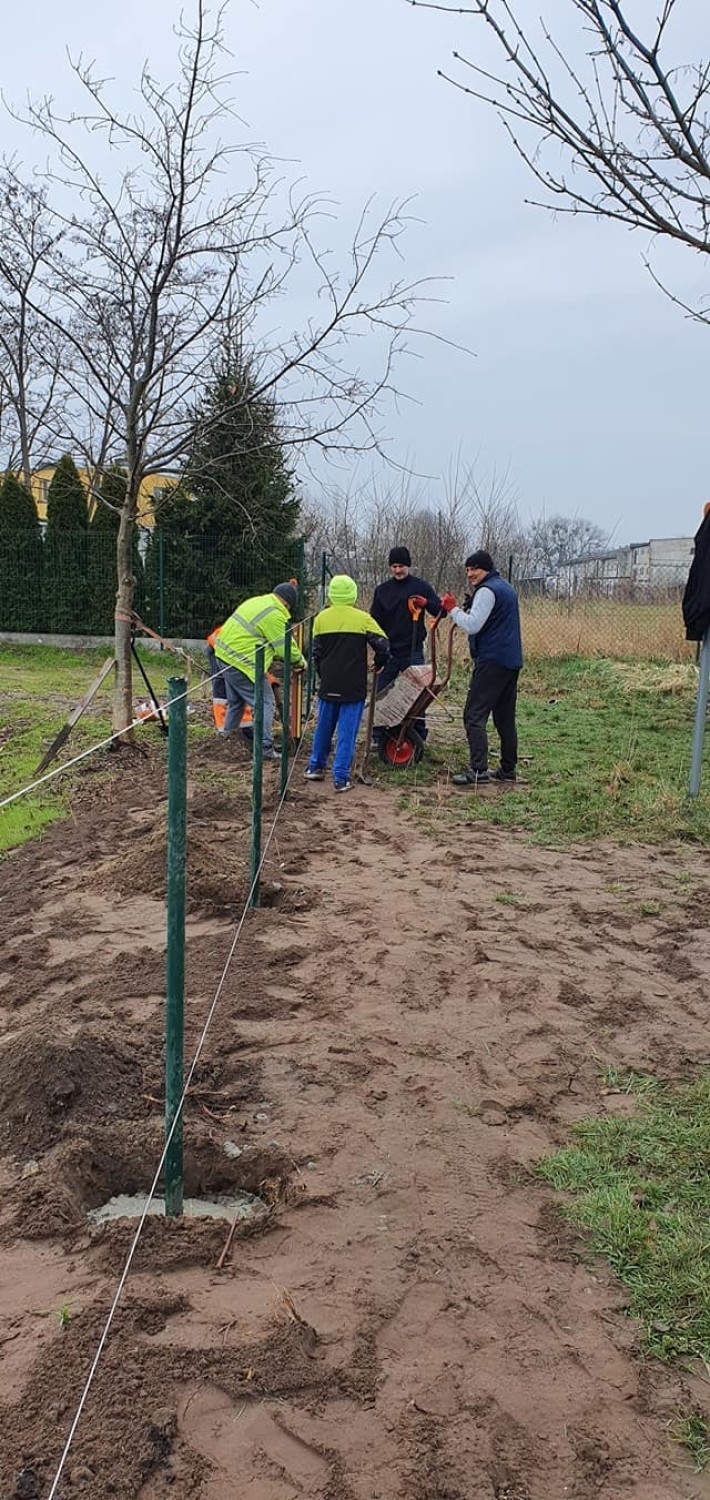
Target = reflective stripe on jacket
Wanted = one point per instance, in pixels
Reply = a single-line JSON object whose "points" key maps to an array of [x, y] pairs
{"points": [[261, 621]]}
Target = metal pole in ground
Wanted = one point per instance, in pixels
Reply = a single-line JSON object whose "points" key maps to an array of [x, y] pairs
{"points": [[310, 670], [257, 774], [175, 960], [286, 711], [701, 712], [161, 585]]}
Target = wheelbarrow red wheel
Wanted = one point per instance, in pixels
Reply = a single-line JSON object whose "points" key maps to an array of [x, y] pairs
{"points": [[400, 754]]}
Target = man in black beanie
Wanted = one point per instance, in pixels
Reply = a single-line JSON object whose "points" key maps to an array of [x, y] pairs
{"points": [[492, 623], [405, 630]]}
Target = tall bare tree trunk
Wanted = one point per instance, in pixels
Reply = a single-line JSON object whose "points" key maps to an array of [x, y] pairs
{"points": [[123, 693]]}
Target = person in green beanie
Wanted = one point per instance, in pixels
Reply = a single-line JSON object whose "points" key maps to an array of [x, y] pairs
{"points": [[341, 636]]}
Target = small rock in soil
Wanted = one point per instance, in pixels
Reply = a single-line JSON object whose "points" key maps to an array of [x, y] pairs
{"points": [[26, 1485]]}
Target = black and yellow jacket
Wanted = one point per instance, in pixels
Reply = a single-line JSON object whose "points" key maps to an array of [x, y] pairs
{"points": [[341, 636]]}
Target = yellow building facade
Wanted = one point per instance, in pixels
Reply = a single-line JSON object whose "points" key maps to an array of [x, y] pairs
{"points": [[150, 495]]}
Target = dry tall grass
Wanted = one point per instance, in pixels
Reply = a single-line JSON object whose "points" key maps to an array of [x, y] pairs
{"points": [[604, 627]]}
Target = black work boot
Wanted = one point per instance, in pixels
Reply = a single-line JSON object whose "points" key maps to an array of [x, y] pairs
{"points": [[469, 777]]}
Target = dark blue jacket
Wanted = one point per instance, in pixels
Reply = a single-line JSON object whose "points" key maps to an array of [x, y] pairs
{"points": [[499, 640], [391, 611]]}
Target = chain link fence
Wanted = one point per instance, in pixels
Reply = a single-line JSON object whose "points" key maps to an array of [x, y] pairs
{"points": [[617, 617], [184, 585], [590, 608], [187, 585]]}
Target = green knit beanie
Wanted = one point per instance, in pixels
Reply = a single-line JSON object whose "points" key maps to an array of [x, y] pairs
{"points": [[342, 590]]}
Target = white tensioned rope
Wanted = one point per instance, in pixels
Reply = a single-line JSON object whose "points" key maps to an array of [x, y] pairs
{"points": [[118, 735], [178, 1116]]}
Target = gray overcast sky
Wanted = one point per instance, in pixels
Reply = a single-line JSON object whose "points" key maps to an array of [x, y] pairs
{"points": [[587, 383]]}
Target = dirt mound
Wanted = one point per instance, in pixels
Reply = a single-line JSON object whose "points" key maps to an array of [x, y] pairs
{"points": [[218, 860], [217, 867], [44, 1083]]}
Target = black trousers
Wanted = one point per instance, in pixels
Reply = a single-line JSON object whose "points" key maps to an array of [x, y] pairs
{"points": [[493, 690]]}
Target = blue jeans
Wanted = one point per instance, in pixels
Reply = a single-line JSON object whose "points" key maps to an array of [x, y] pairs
{"points": [[392, 668], [241, 691], [345, 717]]}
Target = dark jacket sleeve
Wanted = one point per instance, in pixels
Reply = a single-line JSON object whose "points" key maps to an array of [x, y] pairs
{"points": [[376, 609], [696, 598], [380, 645], [433, 602], [316, 651]]}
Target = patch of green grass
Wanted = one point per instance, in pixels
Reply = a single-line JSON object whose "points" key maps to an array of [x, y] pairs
{"points": [[507, 898], [608, 758], [650, 908], [641, 1190], [39, 685], [64, 1314], [625, 1080], [692, 1431]]}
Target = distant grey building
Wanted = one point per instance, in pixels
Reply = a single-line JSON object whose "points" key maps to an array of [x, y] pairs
{"points": [[661, 562]]}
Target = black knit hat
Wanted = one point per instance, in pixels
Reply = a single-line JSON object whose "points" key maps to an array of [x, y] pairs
{"points": [[481, 560], [289, 593], [400, 555]]}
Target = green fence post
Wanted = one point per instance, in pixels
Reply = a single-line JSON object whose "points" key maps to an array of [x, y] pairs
{"points": [[161, 585], [301, 575], [286, 712], [175, 960], [257, 774], [310, 670]]}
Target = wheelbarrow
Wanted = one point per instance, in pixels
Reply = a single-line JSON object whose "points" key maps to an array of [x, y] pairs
{"points": [[404, 701]]}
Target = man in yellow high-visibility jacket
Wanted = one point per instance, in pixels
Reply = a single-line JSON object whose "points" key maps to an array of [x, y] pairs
{"points": [[262, 621]]}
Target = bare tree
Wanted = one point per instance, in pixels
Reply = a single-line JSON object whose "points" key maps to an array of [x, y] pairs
{"points": [[623, 133], [556, 541], [440, 521], [29, 363], [163, 259]]}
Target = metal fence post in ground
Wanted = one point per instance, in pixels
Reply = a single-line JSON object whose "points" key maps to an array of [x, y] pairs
{"points": [[175, 960], [701, 711], [257, 774], [161, 585], [286, 711], [310, 670], [301, 574]]}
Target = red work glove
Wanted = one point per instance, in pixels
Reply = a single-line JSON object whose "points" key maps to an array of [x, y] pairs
{"points": [[418, 601], [448, 602]]}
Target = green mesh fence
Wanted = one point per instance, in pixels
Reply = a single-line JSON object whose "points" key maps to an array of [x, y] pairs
{"points": [[184, 585]]}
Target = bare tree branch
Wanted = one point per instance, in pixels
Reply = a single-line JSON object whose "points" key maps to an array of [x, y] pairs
{"points": [[630, 120], [164, 241]]}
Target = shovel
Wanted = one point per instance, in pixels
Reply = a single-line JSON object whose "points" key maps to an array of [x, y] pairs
{"points": [[362, 775]]}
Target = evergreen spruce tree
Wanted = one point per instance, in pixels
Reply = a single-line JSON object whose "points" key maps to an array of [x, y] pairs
{"points": [[237, 471], [20, 558], [66, 584], [228, 529]]}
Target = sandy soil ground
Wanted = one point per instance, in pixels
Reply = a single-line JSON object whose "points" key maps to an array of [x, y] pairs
{"points": [[408, 1319]]}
